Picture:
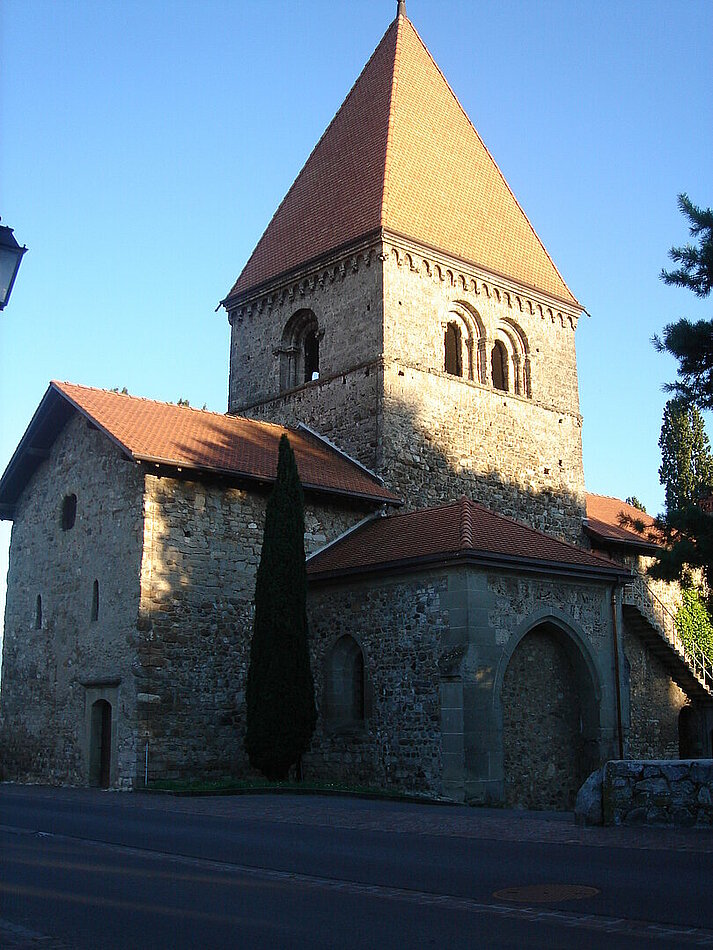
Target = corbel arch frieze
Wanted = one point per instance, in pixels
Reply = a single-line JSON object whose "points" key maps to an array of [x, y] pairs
{"points": [[436, 271]]}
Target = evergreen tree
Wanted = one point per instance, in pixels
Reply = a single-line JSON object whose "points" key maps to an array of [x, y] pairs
{"points": [[635, 503], [281, 713], [692, 343], [686, 464], [688, 530]]}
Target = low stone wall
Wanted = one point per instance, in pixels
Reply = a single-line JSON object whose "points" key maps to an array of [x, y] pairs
{"points": [[655, 792]]}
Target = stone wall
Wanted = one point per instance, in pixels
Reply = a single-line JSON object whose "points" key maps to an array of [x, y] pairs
{"points": [[460, 704], [400, 625], [345, 296], [658, 792], [444, 436], [541, 714], [51, 669], [423, 291], [655, 703], [201, 551]]}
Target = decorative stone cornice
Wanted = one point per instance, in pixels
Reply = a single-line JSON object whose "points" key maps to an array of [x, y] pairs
{"points": [[470, 279], [312, 277]]}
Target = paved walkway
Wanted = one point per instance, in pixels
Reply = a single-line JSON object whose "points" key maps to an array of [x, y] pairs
{"points": [[398, 817]]}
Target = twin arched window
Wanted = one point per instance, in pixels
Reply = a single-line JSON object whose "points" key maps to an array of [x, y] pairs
{"points": [[502, 362]]}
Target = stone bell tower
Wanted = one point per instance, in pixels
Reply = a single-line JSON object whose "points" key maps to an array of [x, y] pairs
{"points": [[401, 303]]}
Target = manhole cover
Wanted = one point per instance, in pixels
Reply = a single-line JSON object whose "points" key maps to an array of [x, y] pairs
{"points": [[543, 893]]}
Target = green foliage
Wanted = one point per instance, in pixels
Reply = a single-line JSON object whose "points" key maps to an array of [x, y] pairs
{"points": [[281, 713], [686, 462], [692, 343], [124, 391], [183, 402], [635, 503], [687, 529], [693, 622]]}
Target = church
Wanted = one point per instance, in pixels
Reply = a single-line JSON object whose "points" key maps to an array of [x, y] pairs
{"points": [[481, 628]]}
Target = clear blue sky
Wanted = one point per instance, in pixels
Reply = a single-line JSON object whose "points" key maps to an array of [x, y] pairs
{"points": [[145, 145]]}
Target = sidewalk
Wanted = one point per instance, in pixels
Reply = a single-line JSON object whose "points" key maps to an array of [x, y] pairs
{"points": [[460, 821]]}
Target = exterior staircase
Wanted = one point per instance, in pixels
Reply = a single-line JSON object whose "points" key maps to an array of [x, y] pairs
{"points": [[651, 620]]}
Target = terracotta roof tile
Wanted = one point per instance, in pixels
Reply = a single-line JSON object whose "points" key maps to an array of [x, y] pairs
{"points": [[208, 441], [463, 528], [401, 154], [604, 517]]}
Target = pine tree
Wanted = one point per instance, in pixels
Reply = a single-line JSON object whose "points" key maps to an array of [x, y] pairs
{"points": [[635, 503], [686, 464], [281, 713], [692, 343], [688, 530]]}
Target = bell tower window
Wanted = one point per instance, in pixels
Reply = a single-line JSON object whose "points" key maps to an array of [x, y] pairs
{"points": [[499, 366], [453, 363], [311, 355]]}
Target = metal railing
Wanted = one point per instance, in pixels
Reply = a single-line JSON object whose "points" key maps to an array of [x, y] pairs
{"points": [[640, 595]]}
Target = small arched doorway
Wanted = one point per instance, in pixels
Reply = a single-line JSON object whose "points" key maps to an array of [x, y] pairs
{"points": [[550, 721], [100, 745]]}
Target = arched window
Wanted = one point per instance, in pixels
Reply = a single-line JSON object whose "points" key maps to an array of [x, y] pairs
{"points": [[38, 613], [311, 355], [299, 350], [95, 601], [344, 682], [499, 366], [69, 512], [453, 346]]}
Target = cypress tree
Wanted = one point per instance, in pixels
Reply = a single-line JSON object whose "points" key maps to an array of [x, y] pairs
{"points": [[281, 713]]}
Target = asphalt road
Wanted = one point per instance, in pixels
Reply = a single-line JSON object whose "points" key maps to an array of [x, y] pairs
{"points": [[81, 869]]}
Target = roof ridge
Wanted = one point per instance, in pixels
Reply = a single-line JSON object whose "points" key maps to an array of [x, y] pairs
{"points": [[466, 523], [495, 164], [390, 126]]}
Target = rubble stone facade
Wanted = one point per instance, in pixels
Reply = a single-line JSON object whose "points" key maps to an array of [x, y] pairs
{"points": [[386, 394]]}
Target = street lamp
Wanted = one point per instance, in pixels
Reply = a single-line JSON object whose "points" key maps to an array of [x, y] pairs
{"points": [[10, 257]]}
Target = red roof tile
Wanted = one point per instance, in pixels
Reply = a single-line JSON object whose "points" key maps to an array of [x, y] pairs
{"points": [[461, 529], [186, 438], [604, 521], [402, 155]]}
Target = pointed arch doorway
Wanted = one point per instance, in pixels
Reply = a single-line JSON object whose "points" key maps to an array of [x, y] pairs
{"points": [[550, 720]]}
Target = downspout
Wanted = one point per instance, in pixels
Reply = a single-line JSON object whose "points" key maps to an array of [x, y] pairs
{"points": [[615, 637]]}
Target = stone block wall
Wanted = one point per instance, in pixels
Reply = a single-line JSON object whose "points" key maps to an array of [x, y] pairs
{"points": [[424, 290], [51, 664], [443, 437], [400, 625], [655, 703], [345, 295], [658, 792], [201, 551]]}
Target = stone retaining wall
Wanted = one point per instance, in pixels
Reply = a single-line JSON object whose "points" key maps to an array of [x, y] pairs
{"points": [[656, 792]]}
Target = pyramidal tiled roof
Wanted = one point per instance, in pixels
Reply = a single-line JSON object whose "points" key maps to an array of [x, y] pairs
{"points": [[402, 155], [460, 530]]}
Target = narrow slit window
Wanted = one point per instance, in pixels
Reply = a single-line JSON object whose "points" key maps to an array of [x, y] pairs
{"points": [[38, 613], [69, 512], [95, 600]]}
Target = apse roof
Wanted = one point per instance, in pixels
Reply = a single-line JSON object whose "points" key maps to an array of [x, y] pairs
{"points": [[402, 156], [460, 531]]}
